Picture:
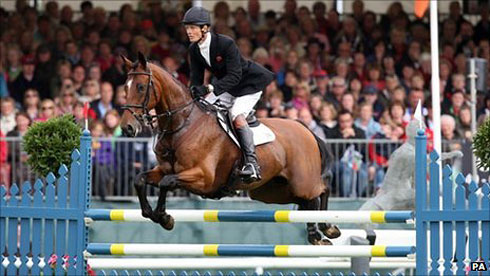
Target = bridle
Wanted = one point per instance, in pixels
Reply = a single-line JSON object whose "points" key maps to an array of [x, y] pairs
{"points": [[146, 118]]}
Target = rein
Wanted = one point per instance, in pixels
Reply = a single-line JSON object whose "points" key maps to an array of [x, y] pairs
{"points": [[146, 118]]}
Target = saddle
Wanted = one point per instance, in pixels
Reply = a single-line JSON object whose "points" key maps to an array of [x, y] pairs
{"points": [[262, 134]]}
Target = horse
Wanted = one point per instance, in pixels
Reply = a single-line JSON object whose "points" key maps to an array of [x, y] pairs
{"points": [[196, 155]]}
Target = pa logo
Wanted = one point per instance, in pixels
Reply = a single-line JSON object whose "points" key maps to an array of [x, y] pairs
{"points": [[478, 266]]}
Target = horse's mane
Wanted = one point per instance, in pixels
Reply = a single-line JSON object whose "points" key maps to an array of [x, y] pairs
{"points": [[157, 64]]}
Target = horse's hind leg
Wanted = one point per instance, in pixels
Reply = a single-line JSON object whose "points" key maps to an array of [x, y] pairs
{"points": [[329, 230], [315, 237]]}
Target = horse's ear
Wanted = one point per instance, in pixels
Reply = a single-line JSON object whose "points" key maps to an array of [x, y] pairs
{"points": [[127, 63], [142, 59]]}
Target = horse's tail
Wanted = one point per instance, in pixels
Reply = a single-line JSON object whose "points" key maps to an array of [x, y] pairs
{"points": [[325, 155]]}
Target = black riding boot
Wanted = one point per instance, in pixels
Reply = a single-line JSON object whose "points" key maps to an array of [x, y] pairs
{"points": [[251, 169]]}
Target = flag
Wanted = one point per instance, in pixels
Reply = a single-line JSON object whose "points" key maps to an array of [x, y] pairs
{"points": [[418, 114], [85, 114], [420, 7]]}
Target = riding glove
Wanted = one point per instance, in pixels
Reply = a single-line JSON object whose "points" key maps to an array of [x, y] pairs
{"points": [[199, 91]]}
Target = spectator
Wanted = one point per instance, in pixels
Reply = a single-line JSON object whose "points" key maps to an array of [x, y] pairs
{"points": [[171, 64], [291, 80], [463, 125], [103, 160], [348, 102], [116, 74], [457, 102], [366, 120], [337, 90], [94, 72], [328, 116], [17, 157], [48, 110], [315, 104], [78, 78], [31, 103], [276, 105], [306, 117], [56, 82], [102, 105], [14, 65], [301, 94], [105, 58], [7, 115], [90, 91], [482, 28], [291, 112], [321, 80], [350, 165], [67, 98], [290, 65], [26, 80], [448, 128]]}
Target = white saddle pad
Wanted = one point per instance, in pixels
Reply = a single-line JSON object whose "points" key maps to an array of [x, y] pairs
{"points": [[262, 134]]}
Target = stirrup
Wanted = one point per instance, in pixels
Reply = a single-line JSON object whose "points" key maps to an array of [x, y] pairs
{"points": [[250, 173]]}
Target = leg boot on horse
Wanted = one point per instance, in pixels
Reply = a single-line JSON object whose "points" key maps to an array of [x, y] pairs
{"points": [[250, 171]]}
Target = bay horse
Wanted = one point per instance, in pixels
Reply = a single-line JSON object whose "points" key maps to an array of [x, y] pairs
{"points": [[195, 154]]}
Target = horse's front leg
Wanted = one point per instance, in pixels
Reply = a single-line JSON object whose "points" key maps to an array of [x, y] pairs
{"points": [[151, 177], [168, 183], [194, 178]]}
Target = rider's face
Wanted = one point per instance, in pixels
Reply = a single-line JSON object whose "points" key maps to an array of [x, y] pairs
{"points": [[193, 32]]}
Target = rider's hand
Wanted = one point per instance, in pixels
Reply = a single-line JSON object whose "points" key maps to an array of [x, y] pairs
{"points": [[199, 91]]}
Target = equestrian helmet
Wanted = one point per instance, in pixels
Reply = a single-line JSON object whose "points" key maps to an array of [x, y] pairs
{"points": [[197, 16]]}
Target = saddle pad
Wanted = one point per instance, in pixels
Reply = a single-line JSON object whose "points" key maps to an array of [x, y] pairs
{"points": [[262, 134]]}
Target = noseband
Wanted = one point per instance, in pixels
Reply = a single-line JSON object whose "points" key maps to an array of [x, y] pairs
{"points": [[146, 118]]}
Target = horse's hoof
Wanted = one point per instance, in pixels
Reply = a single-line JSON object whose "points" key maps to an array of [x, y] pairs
{"points": [[323, 241], [167, 222], [332, 232]]}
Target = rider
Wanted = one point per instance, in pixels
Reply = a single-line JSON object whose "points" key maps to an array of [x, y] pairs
{"points": [[238, 83]]}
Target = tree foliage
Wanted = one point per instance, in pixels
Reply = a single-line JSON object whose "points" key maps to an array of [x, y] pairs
{"points": [[50, 144]]}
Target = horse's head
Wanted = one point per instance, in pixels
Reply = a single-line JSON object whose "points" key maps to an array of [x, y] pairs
{"points": [[141, 95]]}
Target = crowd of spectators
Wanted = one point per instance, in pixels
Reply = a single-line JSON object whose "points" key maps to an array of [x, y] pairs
{"points": [[356, 75]]}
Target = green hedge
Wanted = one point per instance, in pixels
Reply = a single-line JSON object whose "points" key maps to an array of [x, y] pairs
{"points": [[50, 144], [481, 145]]}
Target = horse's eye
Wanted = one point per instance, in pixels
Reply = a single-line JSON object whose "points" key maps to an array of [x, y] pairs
{"points": [[140, 87]]}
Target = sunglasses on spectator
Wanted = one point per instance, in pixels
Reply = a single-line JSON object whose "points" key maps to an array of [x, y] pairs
{"points": [[47, 107], [31, 96]]}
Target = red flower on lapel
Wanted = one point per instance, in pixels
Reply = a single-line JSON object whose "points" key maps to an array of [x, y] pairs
{"points": [[219, 59]]}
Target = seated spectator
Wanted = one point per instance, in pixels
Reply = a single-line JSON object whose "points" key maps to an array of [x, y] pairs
{"points": [[306, 117], [370, 96], [301, 95], [27, 79], [116, 74], [337, 89], [94, 72], [291, 112], [374, 77], [455, 105], [276, 105], [67, 99], [394, 116], [78, 78], [463, 125], [31, 103], [448, 128], [348, 103], [321, 80], [90, 91], [366, 120], [315, 106], [7, 115], [355, 88], [111, 124], [48, 110], [104, 103], [171, 64], [63, 70], [328, 116], [290, 82]]}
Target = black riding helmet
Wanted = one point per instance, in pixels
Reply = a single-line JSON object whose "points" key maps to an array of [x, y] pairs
{"points": [[197, 16]]}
